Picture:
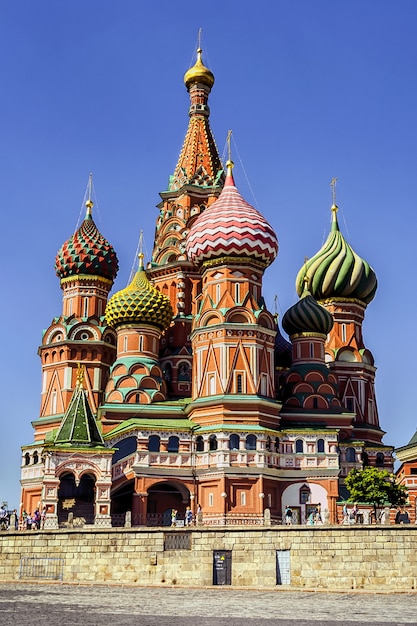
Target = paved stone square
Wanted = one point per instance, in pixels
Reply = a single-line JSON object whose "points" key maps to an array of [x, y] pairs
{"points": [[70, 605]]}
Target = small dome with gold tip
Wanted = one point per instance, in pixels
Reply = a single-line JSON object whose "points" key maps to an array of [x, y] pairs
{"points": [[199, 73], [87, 252], [139, 303]]}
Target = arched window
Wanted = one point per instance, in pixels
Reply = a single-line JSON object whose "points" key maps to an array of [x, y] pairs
{"points": [[154, 443], [379, 462], [234, 442], [199, 444], [268, 443], [184, 371], [320, 445], [365, 459], [173, 444], [35, 458], [276, 444], [251, 442], [299, 445], [212, 442], [27, 458], [350, 455]]}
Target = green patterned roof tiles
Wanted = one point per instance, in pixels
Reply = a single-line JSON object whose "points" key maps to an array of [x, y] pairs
{"points": [[307, 316], [337, 271]]}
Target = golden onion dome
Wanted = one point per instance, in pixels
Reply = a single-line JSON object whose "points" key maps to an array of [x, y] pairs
{"points": [[139, 303], [199, 73]]}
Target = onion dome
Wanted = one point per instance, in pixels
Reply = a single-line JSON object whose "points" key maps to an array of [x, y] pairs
{"points": [[199, 73], [307, 316], [87, 252], [336, 271], [139, 303], [231, 227]]}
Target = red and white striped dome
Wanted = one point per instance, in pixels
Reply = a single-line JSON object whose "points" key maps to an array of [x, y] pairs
{"points": [[231, 227]]}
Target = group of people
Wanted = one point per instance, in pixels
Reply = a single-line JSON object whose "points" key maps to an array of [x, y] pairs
{"points": [[28, 521], [188, 516], [313, 518]]}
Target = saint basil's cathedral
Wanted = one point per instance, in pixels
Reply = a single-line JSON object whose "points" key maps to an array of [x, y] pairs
{"points": [[180, 390]]}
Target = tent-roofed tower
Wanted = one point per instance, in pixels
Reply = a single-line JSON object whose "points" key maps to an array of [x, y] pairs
{"points": [[75, 473], [195, 184]]}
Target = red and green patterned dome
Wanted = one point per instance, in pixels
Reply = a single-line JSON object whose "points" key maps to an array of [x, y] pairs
{"points": [[87, 252], [139, 303], [336, 271]]}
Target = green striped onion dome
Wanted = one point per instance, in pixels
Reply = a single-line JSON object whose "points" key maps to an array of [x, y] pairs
{"points": [[139, 303], [336, 271], [307, 316], [87, 252]]}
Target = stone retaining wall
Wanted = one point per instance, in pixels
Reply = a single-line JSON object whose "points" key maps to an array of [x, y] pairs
{"points": [[342, 557]]}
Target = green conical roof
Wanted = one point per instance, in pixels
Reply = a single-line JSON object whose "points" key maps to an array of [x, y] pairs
{"points": [[336, 271], [79, 427]]}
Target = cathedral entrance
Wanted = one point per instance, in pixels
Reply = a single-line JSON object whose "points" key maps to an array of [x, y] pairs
{"points": [[76, 499], [164, 498]]}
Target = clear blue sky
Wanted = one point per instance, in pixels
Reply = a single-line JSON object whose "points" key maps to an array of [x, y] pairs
{"points": [[311, 90]]}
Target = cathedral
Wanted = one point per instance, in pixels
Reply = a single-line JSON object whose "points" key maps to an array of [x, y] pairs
{"points": [[179, 392]]}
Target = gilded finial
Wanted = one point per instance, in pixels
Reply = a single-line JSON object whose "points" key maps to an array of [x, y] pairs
{"points": [[229, 164], [89, 204], [80, 375], [199, 73], [333, 186], [141, 255]]}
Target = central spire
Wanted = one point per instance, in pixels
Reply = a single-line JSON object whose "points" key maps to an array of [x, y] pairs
{"points": [[199, 163]]}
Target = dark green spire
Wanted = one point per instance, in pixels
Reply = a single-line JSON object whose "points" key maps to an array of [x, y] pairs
{"points": [[79, 427]]}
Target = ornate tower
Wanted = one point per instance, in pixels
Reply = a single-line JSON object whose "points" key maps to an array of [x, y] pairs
{"points": [[86, 265], [233, 333], [196, 183], [345, 284], [139, 313]]}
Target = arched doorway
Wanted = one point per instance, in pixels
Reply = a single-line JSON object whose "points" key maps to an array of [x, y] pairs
{"points": [[163, 497], [76, 499], [121, 502]]}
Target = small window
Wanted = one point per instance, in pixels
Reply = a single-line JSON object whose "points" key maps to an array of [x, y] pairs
{"points": [[251, 442], [243, 498], [35, 458], [234, 442], [154, 443], [239, 383], [320, 445], [199, 444], [350, 455], [299, 445], [379, 462], [343, 329], [212, 442], [27, 458], [173, 444], [210, 499]]}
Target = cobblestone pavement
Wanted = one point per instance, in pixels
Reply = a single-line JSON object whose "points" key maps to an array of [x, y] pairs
{"points": [[73, 605]]}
